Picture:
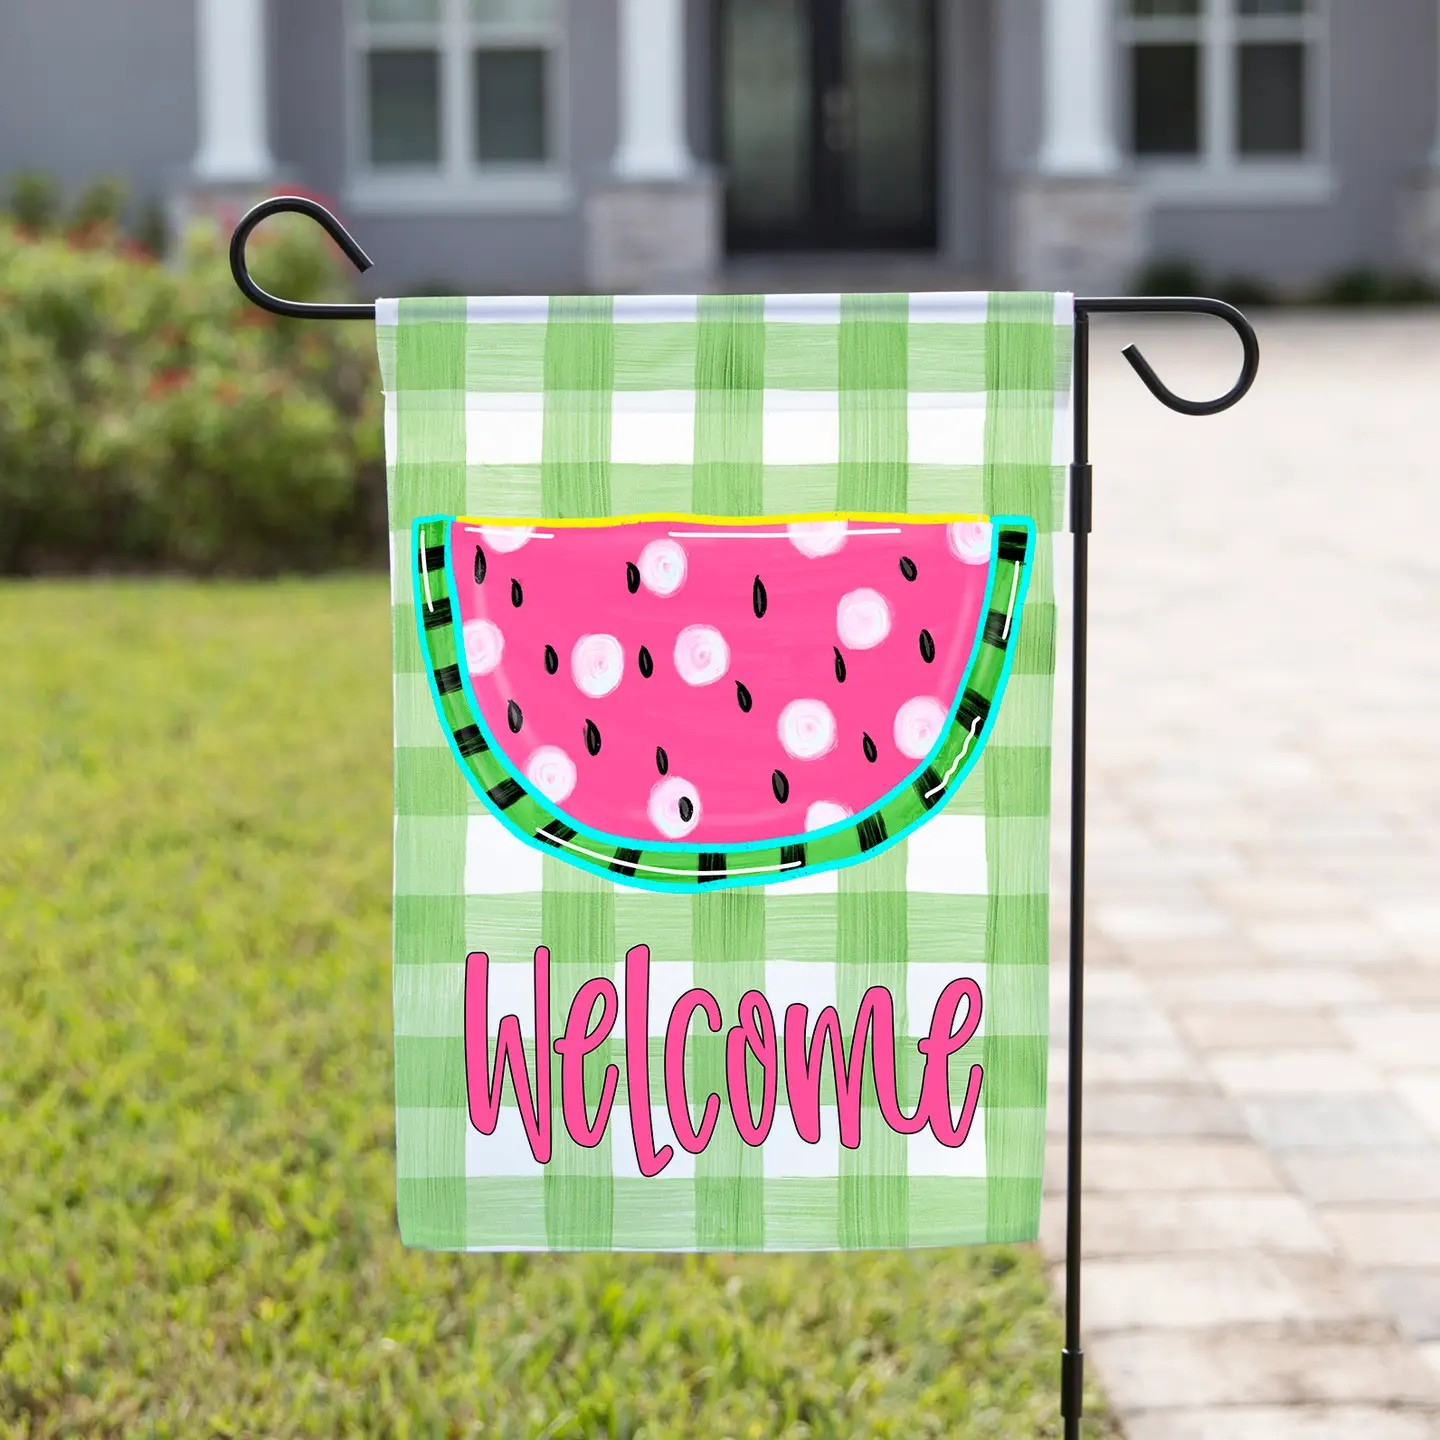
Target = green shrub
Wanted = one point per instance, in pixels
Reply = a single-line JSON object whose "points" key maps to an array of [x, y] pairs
{"points": [[152, 227], [1170, 275], [154, 418], [1248, 292], [34, 199], [1370, 285], [1410, 289], [1359, 285], [101, 202]]}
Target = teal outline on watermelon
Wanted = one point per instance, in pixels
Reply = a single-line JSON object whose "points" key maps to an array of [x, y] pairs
{"points": [[868, 834]]}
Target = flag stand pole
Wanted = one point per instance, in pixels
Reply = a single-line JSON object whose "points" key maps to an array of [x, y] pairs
{"points": [[1072, 1360], [1072, 1357]]}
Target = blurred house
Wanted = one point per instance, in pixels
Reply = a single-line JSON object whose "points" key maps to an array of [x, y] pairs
{"points": [[559, 144]]}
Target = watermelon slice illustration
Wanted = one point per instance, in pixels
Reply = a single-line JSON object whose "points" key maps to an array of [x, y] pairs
{"points": [[675, 702]]}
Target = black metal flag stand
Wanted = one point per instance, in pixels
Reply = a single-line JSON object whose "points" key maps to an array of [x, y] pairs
{"points": [[1072, 1373], [1072, 1359]]}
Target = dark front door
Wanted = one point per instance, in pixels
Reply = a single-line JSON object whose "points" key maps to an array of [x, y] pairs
{"points": [[827, 117]]}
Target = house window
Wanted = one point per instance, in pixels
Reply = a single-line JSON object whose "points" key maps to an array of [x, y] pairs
{"points": [[1220, 84], [457, 96]]}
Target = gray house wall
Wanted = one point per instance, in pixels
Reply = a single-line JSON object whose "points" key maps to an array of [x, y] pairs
{"points": [[1017, 66], [465, 251], [1381, 73], [88, 87], [965, 102], [1382, 117], [701, 112]]}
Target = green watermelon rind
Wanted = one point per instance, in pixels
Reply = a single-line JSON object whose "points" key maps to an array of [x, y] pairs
{"points": [[666, 867]]}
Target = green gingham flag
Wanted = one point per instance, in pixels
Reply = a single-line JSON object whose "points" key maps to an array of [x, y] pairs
{"points": [[815, 405]]}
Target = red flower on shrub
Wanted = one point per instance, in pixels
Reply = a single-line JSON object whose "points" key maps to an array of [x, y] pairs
{"points": [[134, 250], [226, 217], [89, 236], [167, 381]]}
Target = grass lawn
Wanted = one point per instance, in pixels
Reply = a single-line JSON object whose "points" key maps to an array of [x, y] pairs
{"points": [[197, 1233]]}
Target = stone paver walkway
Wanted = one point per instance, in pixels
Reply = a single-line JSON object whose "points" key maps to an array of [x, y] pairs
{"points": [[1263, 1047]]}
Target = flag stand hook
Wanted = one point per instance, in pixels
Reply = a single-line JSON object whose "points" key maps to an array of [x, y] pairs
{"points": [[1072, 1360]]}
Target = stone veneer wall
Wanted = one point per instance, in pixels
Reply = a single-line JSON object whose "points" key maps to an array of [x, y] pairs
{"points": [[1081, 234], [661, 236]]}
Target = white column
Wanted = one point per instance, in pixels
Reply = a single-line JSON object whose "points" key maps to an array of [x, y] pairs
{"points": [[230, 75], [1079, 110], [652, 92]]}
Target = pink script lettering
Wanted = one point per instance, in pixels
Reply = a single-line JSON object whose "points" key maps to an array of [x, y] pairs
{"points": [[798, 1047]]}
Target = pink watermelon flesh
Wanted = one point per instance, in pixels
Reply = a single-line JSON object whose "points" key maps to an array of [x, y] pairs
{"points": [[742, 729]]}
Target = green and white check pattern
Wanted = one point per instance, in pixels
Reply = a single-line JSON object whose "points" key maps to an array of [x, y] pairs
{"points": [[727, 405]]}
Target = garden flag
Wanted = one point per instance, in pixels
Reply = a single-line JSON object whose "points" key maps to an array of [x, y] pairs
{"points": [[724, 639]]}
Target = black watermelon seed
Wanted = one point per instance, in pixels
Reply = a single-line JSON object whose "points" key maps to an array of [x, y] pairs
{"points": [[927, 647], [743, 696], [760, 599], [516, 594], [780, 785], [592, 737], [662, 760], [686, 808], [479, 566], [869, 747], [839, 665], [632, 576], [515, 717], [552, 660], [647, 665], [907, 567]]}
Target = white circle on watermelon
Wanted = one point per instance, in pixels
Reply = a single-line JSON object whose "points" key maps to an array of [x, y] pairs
{"points": [[817, 537], [969, 541], [484, 645], [674, 807], [552, 772], [807, 729], [505, 538], [596, 664], [825, 812], [863, 619], [701, 655], [918, 726], [662, 567]]}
